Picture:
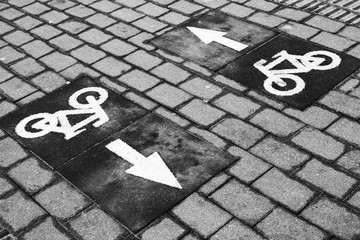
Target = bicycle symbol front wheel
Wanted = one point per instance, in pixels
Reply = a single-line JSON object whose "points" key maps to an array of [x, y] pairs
{"points": [[43, 125], [73, 100], [330, 64], [269, 83]]}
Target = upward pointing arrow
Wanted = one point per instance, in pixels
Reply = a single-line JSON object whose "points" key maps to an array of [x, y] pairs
{"points": [[208, 36], [152, 167]]}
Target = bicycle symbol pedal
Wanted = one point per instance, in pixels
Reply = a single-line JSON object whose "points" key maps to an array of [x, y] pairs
{"points": [[41, 124], [315, 60]]}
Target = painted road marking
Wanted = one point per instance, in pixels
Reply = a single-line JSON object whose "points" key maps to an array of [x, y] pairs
{"points": [[152, 167], [208, 36], [59, 122]]}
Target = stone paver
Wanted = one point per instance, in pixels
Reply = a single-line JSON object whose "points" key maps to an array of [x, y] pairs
{"points": [[46, 230], [11, 152], [168, 95], [167, 229], [236, 230], [343, 103], [346, 129], [350, 161]]}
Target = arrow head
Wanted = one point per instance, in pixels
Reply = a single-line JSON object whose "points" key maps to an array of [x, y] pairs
{"points": [[153, 168], [206, 35]]}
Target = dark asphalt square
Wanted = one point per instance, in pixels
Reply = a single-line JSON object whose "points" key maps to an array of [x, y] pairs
{"points": [[51, 145], [182, 42], [302, 88], [136, 201]]}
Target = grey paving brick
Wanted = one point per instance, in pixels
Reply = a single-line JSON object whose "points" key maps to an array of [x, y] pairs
{"points": [[61, 5], [214, 183], [239, 106], [126, 14], [149, 24], [236, 230], [174, 18], [29, 98], [26, 23], [37, 48], [164, 2], [208, 136], [18, 38], [143, 60], [151, 9], [279, 154], [94, 36], [237, 10], [201, 88], [292, 14], [140, 39], [166, 229], [332, 41], [133, 3], [105, 6], [319, 143], [75, 70], [334, 218], [54, 17], [228, 82], [111, 66], [9, 54], [283, 189], [191, 237], [18, 211], [172, 117], [66, 42], [239, 132], [298, 29], [168, 95], [16, 88], [276, 123], [58, 61], [185, 7], [96, 224], [80, 11], [31, 175], [61, 200], [351, 32], [241, 201], [139, 80], [314, 116], [3, 43], [142, 101], [266, 19], [202, 113], [355, 200], [11, 13], [326, 178], [266, 100], [350, 161], [36, 8], [88, 54], [48, 81], [197, 68], [73, 26], [325, 24], [123, 30], [118, 48], [355, 51], [112, 85], [6, 107], [249, 167], [261, 5], [280, 224], [20, 3], [46, 32], [4, 75], [48, 229], [4, 28], [201, 215], [355, 92], [342, 103], [171, 73], [346, 129], [5, 186], [212, 4], [27, 67], [100, 20]]}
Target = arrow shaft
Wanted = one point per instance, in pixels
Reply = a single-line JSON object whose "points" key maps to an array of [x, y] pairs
{"points": [[231, 43], [122, 149]]}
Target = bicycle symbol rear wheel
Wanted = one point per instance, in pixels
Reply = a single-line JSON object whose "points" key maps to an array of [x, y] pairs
{"points": [[299, 85], [73, 100], [335, 60], [43, 126]]}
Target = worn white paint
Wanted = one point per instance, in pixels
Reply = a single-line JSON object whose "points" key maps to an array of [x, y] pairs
{"points": [[208, 36], [152, 167]]}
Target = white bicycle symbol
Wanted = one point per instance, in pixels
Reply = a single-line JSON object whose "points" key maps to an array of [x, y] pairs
{"points": [[44, 123], [310, 61]]}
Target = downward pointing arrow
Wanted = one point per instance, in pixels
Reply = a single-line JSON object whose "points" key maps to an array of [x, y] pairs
{"points": [[208, 36], [152, 167]]}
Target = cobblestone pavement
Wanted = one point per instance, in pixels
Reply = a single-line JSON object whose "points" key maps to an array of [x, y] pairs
{"points": [[297, 172]]}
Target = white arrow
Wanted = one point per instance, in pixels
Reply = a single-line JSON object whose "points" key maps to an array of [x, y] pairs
{"points": [[152, 167], [208, 36]]}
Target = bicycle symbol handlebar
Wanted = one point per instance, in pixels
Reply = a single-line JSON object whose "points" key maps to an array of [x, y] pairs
{"points": [[41, 124]]}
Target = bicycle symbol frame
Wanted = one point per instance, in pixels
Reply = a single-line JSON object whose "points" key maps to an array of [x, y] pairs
{"points": [[303, 64], [58, 121]]}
